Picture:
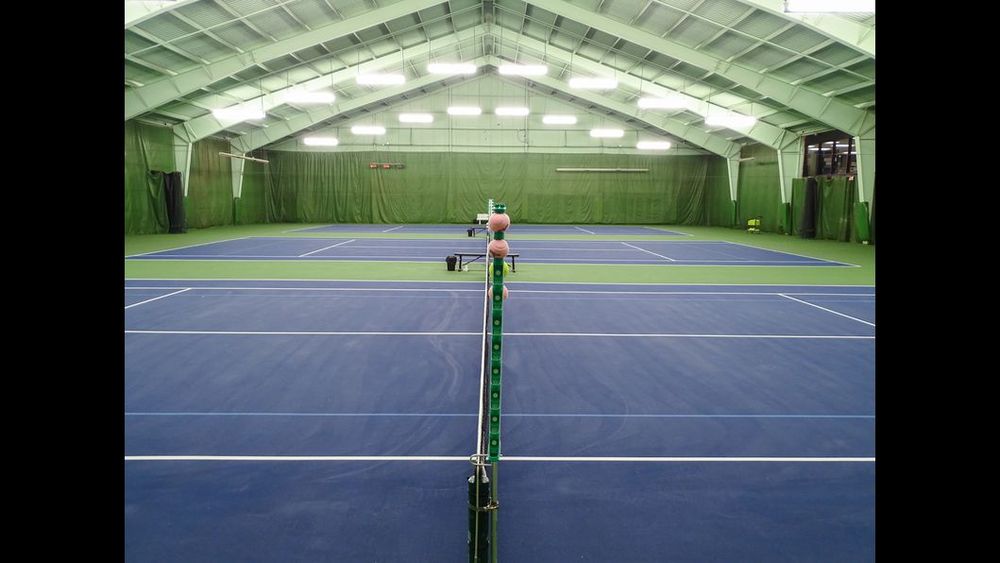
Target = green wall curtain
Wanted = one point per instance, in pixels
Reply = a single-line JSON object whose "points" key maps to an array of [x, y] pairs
{"points": [[453, 187], [209, 198], [147, 148], [759, 189]]}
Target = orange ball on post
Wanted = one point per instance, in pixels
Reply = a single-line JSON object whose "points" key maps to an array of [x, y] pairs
{"points": [[499, 222], [489, 292], [499, 248]]}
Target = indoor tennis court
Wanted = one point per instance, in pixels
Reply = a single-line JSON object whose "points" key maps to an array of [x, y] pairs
{"points": [[679, 366]]}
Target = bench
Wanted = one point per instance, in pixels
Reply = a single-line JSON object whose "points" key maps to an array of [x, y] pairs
{"points": [[477, 255], [481, 220]]}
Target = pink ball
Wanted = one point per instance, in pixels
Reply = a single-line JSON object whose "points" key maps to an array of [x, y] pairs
{"points": [[499, 222], [499, 248], [490, 292]]}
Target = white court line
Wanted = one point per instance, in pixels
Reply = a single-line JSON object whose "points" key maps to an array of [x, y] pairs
{"points": [[155, 298], [650, 252], [393, 229], [534, 282], [586, 231], [791, 253], [188, 246], [327, 247], [302, 333], [509, 415], [827, 310], [392, 289], [594, 261], [674, 335], [502, 458], [571, 334], [578, 292]]}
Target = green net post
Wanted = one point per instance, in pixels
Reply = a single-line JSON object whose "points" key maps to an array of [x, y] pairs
{"points": [[480, 515], [496, 347]]}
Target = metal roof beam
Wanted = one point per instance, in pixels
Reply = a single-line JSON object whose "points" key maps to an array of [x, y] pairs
{"points": [[857, 36], [761, 132], [833, 112], [140, 100], [256, 139]]}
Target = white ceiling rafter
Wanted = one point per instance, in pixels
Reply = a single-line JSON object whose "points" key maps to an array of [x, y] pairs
{"points": [[140, 100], [835, 113]]}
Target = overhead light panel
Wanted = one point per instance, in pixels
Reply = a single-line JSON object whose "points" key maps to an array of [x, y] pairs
{"points": [[464, 110], [515, 111], [368, 130], [451, 68], [381, 79], [730, 121], [321, 141], [239, 113], [653, 145], [416, 118], [607, 133], [662, 103], [310, 97], [581, 83], [523, 70], [829, 6], [559, 119]]}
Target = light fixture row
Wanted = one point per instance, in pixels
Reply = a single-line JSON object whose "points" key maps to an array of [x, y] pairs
{"points": [[362, 130], [731, 120]]}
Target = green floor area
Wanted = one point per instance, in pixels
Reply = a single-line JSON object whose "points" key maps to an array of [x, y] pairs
{"points": [[852, 253]]}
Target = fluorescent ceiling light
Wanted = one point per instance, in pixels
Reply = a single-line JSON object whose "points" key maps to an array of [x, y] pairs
{"points": [[606, 133], [381, 79], [730, 121], [523, 70], [321, 141], [368, 130], [829, 6], [310, 97], [238, 113], [662, 103], [416, 118], [559, 119], [517, 111], [451, 68], [653, 145], [593, 83], [464, 110]]}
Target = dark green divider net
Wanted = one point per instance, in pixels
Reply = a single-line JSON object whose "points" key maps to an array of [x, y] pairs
{"points": [[836, 199], [147, 148], [210, 185], [759, 189]]}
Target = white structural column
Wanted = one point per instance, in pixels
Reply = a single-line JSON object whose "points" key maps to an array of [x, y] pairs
{"points": [[789, 166], [865, 145], [733, 166]]}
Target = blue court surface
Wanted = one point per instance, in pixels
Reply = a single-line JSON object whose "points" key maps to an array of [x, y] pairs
{"points": [[675, 253], [519, 229], [332, 421]]}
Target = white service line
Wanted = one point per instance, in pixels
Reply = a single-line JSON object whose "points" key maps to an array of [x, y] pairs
{"points": [[827, 310], [586, 231], [513, 334], [187, 246], [155, 298], [649, 251], [673, 335], [327, 247], [502, 458], [393, 229], [578, 292], [302, 333]]}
